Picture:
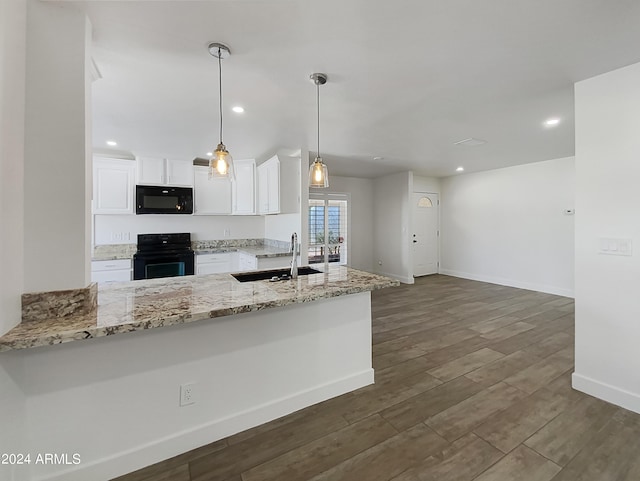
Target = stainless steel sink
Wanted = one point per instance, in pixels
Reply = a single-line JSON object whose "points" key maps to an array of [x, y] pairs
{"points": [[274, 274]]}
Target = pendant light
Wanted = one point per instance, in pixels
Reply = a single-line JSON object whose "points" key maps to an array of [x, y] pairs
{"points": [[221, 163], [318, 174]]}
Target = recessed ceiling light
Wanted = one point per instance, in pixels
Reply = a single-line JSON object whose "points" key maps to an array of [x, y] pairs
{"points": [[209, 154], [460, 169], [470, 142], [237, 109], [377, 157], [112, 143], [551, 122]]}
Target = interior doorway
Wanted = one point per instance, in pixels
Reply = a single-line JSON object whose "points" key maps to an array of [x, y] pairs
{"points": [[424, 240]]}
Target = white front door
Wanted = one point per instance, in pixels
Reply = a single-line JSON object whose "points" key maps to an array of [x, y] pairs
{"points": [[425, 234]]}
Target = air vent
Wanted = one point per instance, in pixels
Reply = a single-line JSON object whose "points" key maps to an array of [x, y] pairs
{"points": [[470, 142], [201, 162]]}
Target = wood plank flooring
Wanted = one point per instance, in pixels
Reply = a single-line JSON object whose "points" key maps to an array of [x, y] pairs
{"points": [[473, 382]]}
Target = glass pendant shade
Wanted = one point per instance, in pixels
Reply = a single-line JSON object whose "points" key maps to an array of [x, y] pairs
{"points": [[318, 174], [221, 164]]}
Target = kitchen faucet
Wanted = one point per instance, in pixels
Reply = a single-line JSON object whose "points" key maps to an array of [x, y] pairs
{"points": [[294, 261]]}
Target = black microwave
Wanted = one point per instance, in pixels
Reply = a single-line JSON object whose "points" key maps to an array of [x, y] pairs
{"points": [[156, 199]]}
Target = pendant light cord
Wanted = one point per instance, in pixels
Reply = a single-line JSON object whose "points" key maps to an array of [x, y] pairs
{"points": [[318, 104], [220, 85]]}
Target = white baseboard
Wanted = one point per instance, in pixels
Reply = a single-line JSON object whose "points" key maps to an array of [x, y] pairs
{"points": [[161, 449], [403, 279], [558, 291], [606, 392]]}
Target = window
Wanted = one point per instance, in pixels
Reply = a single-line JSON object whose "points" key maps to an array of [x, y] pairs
{"points": [[328, 228]]}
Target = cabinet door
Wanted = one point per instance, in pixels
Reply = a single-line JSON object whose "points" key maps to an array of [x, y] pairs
{"points": [[211, 197], [273, 180], [213, 268], [263, 190], [179, 172], [247, 262], [243, 188], [119, 275], [151, 171], [113, 185]]}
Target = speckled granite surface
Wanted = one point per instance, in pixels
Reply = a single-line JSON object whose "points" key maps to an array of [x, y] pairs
{"points": [[256, 247], [132, 306], [112, 252], [38, 306]]}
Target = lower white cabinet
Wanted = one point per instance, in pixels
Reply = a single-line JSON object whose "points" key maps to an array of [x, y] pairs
{"points": [[215, 263], [247, 262], [118, 270]]}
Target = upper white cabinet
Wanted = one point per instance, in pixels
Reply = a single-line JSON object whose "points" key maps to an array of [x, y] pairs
{"points": [[156, 171], [279, 184], [210, 196], [179, 172], [269, 186], [113, 186], [243, 189]]}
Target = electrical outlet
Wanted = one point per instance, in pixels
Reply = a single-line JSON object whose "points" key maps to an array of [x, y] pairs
{"points": [[188, 394], [227, 232]]}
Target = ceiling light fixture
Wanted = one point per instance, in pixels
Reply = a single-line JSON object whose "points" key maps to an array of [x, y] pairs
{"points": [[551, 122], [318, 174], [112, 143], [221, 163], [209, 154], [237, 109], [460, 169]]}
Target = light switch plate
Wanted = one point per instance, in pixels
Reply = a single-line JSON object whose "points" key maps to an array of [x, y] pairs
{"points": [[616, 246]]}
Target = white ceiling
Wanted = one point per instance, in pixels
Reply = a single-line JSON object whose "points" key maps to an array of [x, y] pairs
{"points": [[407, 78]]}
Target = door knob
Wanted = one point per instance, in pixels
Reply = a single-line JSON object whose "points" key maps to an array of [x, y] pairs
{"points": [[415, 241]]}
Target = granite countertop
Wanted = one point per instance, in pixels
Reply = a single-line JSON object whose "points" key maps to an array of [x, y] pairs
{"points": [[149, 304], [258, 251]]}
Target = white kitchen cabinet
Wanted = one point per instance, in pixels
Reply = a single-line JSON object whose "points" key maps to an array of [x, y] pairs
{"points": [[247, 262], [113, 186], [279, 184], [243, 188], [210, 196], [179, 172], [118, 270], [215, 263], [157, 171], [269, 186]]}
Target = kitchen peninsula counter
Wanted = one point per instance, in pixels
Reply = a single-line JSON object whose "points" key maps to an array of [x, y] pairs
{"points": [[149, 304]]}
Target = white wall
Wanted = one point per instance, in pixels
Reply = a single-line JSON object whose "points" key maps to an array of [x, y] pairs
{"points": [[426, 184], [114, 400], [201, 227], [55, 207], [392, 221], [507, 226], [12, 106], [607, 205], [12, 72], [361, 233]]}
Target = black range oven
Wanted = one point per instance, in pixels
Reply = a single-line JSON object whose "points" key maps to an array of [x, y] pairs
{"points": [[163, 255]]}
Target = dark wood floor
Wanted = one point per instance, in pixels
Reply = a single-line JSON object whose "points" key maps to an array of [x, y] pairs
{"points": [[472, 383]]}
